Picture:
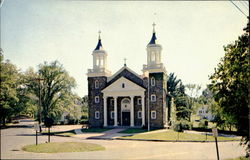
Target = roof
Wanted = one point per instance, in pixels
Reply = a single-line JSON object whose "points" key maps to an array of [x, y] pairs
{"points": [[128, 74], [99, 45], [153, 39]]}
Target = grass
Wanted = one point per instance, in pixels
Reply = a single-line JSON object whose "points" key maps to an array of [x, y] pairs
{"points": [[173, 136], [61, 133], [134, 130], [56, 147], [95, 130]]}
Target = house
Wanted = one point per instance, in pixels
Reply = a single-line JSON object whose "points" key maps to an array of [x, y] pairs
{"points": [[204, 113], [122, 99]]}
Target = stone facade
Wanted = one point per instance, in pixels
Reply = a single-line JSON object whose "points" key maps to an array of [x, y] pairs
{"points": [[93, 106], [118, 94], [160, 105]]}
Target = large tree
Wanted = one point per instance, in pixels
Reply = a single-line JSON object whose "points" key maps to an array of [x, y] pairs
{"points": [[230, 84], [177, 90], [8, 94], [53, 85]]}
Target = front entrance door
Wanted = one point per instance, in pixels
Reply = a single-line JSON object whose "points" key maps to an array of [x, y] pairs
{"points": [[125, 112], [125, 118]]}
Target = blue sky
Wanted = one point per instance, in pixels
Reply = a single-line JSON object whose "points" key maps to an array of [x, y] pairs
{"points": [[192, 34]]}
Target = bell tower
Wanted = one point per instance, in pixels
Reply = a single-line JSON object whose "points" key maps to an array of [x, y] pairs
{"points": [[156, 83], [154, 55], [97, 80], [99, 61]]}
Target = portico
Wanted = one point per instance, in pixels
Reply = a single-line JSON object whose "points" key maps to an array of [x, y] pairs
{"points": [[131, 98]]}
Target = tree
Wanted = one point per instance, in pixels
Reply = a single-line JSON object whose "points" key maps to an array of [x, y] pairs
{"points": [[55, 88], [8, 95], [230, 85], [193, 92], [177, 90]]}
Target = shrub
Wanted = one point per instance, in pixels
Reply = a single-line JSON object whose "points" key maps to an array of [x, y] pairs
{"points": [[202, 123], [181, 125]]}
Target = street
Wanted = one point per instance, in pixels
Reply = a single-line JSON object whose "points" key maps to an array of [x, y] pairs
{"points": [[13, 139]]}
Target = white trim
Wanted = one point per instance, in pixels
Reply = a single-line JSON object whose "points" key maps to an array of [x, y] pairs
{"points": [[97, 99], [139, 114], [97, 84], [125, 67], [153, 115], [97, 115], [153, 98], [152, 81]]}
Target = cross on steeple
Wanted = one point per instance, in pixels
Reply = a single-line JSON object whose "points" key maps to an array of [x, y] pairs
{"points": [[154, 27], [125, 59], [99, 32]]}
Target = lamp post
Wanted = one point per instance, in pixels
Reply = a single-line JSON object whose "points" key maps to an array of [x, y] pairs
{"points": [[40, 106]]}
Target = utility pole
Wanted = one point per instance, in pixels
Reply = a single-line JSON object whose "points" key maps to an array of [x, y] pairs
{"points": [[40, 106]]}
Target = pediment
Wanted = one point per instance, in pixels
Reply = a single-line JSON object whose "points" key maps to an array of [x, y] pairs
{"points": [[123, 85]]}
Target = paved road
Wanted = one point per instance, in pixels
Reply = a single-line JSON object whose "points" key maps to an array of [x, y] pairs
{"points": [[13, 139]]}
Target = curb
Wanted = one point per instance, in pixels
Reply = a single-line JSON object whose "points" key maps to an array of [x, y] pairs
{"points": [[156, 140]]}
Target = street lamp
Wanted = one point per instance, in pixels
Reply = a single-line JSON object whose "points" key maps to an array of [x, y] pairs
{"points": [[40, 107]]}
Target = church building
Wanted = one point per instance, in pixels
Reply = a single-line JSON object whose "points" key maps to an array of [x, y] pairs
{"points": [[127, 98]]}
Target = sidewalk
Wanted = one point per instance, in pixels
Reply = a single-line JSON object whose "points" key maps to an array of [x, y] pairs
{"points": [[110, 134]]}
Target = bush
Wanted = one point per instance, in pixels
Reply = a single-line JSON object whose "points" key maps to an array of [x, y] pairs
{"points": [[202, 123], [84, 121], [181, 125]]}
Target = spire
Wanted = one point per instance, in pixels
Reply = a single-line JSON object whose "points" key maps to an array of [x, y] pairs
{"points": [[153, 39], [99, 44]]}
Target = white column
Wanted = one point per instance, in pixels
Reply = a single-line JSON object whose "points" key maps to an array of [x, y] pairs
{"points": [[132, 111], [143, 110], [99, 61], [105, 111], [115, 110]]}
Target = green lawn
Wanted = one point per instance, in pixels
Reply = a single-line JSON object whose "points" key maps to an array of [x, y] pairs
{"points": [[134, 130], [172, 135], [95, 130], [61, 133], [56, 147]]}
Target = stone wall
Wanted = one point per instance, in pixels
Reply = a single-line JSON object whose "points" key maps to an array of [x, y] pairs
{"points": [[92, 92]]}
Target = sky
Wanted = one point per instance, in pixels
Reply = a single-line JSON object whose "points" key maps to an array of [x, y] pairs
{"points": [[192, 34]]}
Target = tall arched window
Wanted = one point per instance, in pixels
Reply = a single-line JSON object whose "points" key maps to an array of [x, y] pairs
{"points": [[152, 81], [96, 84]]}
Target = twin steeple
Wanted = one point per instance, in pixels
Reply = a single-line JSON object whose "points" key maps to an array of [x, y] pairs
{"points": [[153, 39], [99, 44], [153, 58]]}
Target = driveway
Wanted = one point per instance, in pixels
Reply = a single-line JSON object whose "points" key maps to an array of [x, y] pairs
{"points": [[12, 140]]}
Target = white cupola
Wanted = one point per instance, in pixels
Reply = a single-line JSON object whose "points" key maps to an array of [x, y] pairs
{"points": [[154, 49], [99, 61]]}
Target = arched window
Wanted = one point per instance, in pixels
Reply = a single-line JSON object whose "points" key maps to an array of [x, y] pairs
{"points": [[96, 84], [153, 97], [97, 114], [152, 81]]}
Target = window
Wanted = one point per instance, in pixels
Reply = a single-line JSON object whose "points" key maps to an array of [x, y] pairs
{"points": [[123, 85], [153, 98], [153, 114], [139, 101], [112, 114], [152, 81], [139, 114], [97, 114], [112, 102], [96, 99], [96, 84]]}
